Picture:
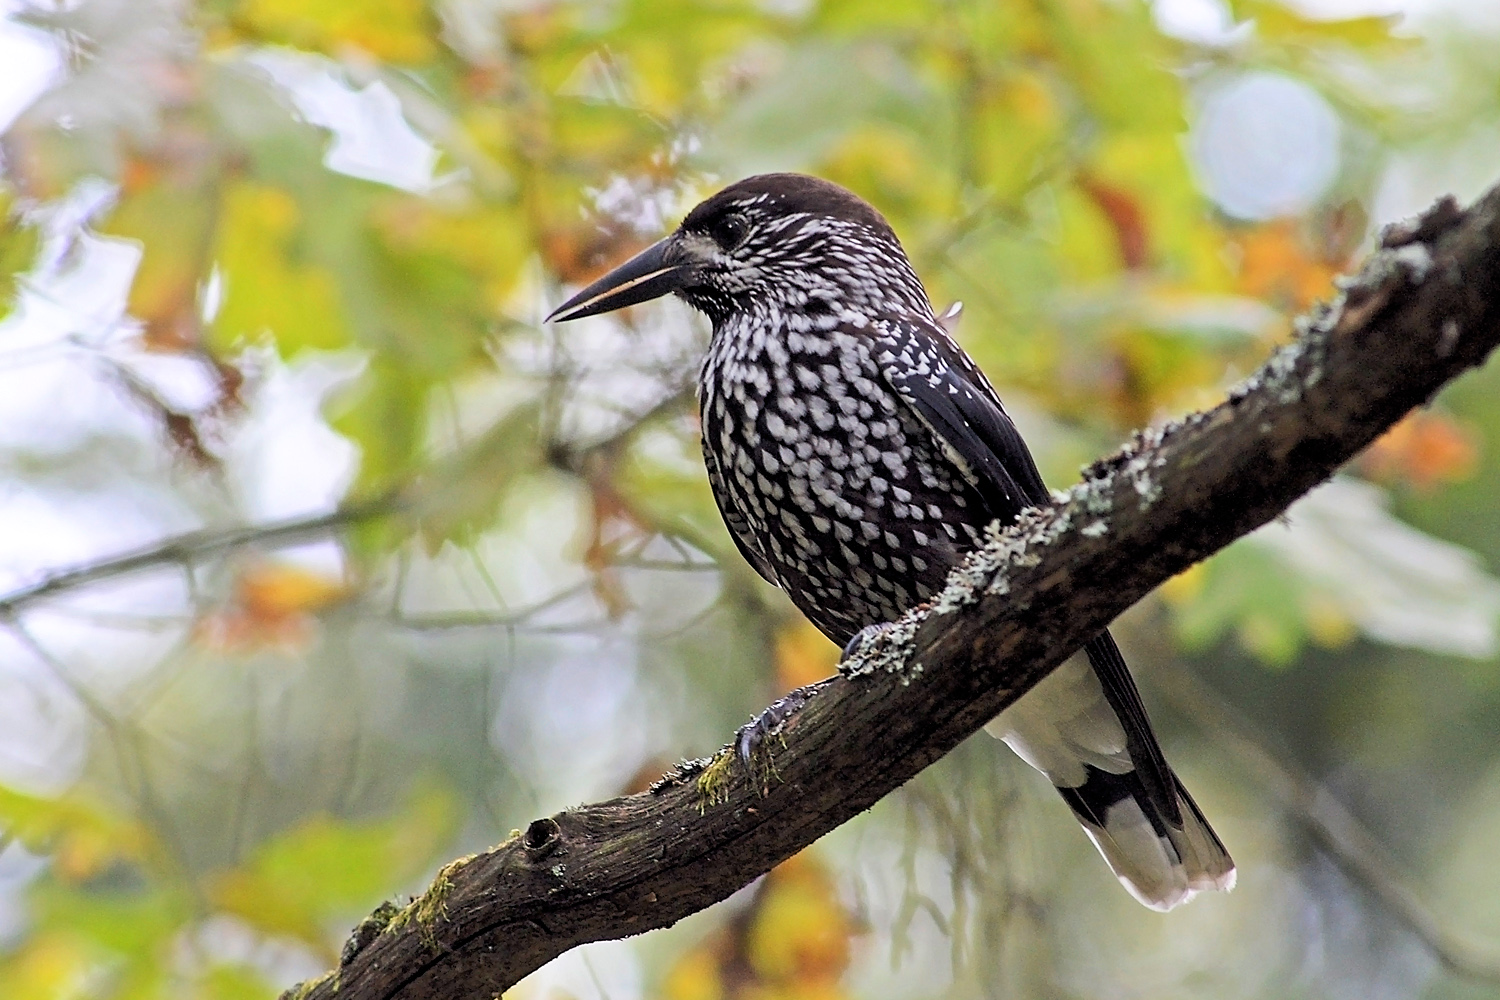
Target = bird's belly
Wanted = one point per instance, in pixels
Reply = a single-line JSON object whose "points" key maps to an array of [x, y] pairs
{"points": [[859, 519]]}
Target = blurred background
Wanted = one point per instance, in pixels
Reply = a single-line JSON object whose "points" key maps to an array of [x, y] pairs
{"points": [[411, 568]]}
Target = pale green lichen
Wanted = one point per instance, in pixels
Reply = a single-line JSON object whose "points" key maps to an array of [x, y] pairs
{"points": [[427, 909], [886, 648], [1413, 258], [304, 989], [1299, 365], [713, 781], [984, 572], [1136, 463]]}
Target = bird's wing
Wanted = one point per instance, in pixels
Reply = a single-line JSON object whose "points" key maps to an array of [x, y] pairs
{"points": [[954, 400], [739, 528], [958, 405]]}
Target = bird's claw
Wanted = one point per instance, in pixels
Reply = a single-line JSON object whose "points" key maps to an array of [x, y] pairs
{"points": [[749, 738], [864, 638]]}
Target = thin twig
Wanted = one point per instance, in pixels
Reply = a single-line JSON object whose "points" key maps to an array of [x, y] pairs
{"points": [[443, 621], [194, 545], [1348, 842]]}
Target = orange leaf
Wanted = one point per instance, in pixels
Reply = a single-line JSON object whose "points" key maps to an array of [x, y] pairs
{"points": [[579, 254], [1123, 210], [272, 590], [273, 606], [1277, 264], [1426, 449]]}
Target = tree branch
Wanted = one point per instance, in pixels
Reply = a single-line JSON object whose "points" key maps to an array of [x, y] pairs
{"points": [[1425, 308], [192, 546], [423, 500]]}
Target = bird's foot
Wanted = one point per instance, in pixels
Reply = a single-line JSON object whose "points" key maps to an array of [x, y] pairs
{"points": [[749, 738], [883, 647], [751, 741], [865, 638]]}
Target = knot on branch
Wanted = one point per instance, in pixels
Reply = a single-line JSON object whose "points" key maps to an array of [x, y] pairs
{"points": [[542, 839]]}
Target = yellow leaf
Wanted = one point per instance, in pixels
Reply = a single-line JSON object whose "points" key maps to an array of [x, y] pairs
{"points": [[1277, 22], [169, 207], [83, 837], [1185, 586], [1327, 622], [792, 943], [49, 965], [803, 655], [394, 30], [265, 290], [489, 242], [696, 976], [801, 934], [1012, 128]]}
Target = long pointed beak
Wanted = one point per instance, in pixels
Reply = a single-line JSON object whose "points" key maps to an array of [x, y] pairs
{"points": [[655, 271]]}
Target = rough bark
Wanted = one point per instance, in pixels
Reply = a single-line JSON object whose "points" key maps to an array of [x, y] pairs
{"points": [[1425, 308]]}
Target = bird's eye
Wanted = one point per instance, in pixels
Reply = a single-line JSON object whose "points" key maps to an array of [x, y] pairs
{"points": [[730, 231]]}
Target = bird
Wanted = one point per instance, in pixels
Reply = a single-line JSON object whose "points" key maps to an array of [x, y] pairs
{"points": [[857, 453]]}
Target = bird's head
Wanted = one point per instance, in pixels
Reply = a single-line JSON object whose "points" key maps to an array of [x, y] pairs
{"points": [[785, 241]]}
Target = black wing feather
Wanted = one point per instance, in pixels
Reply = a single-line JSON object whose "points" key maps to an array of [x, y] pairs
{"points": [[957, 403]]}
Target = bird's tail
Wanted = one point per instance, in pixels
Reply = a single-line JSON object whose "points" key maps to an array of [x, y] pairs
{"points": [[1155, 840], [1161, 863]]}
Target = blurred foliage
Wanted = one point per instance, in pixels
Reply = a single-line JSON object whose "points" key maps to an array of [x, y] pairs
{"points": [[792, 940], [359, 210]]}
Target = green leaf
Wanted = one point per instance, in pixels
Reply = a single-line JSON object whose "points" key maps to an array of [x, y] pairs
{"points": [[439, 274], [268, 288], [462, 494], [81, 833], [327, 869], [122, 913], [18, 245], [816, 95], [233, 982], [1278, 23], [385, 415], [172, 218], [1245, 592]]}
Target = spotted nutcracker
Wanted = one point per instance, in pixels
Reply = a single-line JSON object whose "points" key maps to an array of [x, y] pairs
{"points": [[856, 453]]}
